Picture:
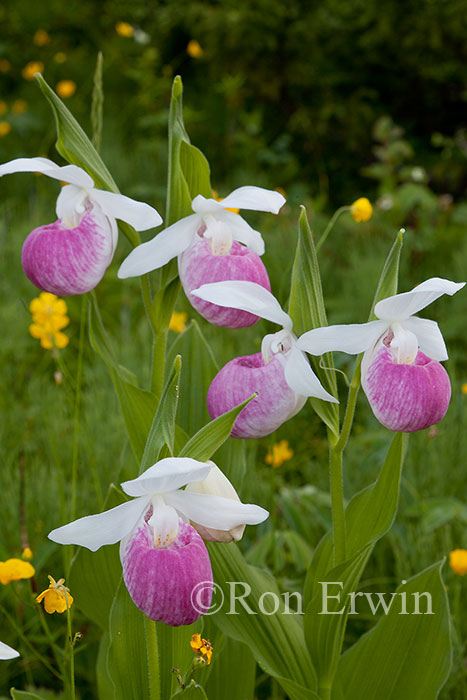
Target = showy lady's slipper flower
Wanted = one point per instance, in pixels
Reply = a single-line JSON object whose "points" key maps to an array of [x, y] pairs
{"points": [[7, 652], [164, 559], [407, 387], [208, 246], [279, 374], [71, 255]]}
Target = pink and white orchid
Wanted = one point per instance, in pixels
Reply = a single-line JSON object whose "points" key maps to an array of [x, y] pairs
{"points": [[209, 247], [279, 374], [7, 652], [71, 255], [163, 556], [406, 386]]}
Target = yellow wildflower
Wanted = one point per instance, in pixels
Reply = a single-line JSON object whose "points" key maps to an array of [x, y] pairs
{"points": [[280, 453], [361, 209], [194, 49], [219, 199], [19, 106], [60, 57], [41, 38], [27, 553], [14, 570], [3, 107], [464, 388], [56, 597], [202, 647], [5, 128], [66, 88], [124, 29], [178, 321], [5, 65], [458, 561], [31, 68], [49, 317]]}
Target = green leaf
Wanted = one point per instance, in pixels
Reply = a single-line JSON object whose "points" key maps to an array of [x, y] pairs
{"points": [[404, 656], [197, 355], [388, 282], [275, 638], [23, 695], [231, 458], [137, 405], [225, 681], [174, 652], [307, 310], [368, 516], [193, 691], [211, 436], [297, 692], [162, 430], [326, 615], [105, 689]]}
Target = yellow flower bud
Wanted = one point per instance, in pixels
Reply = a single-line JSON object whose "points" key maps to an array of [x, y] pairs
{"points": [[361, 209]]}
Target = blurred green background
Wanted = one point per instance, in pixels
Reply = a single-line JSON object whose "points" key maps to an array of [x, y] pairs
{"points": [[329, 101]]}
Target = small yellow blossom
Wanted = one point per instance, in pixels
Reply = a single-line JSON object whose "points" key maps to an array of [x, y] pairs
{"points": [[27, 553], [14, 570], [464, 388], [202, 647], [361, 209], [41, 38], [56, 597], [49, 317], [5, 65], [19, 106], [219, 199], [31, 68], [66, 88], [124, 29], [5, 128], [280, 453], [3, 108], [60, 57], [194, 49], [458, 561], [178, 321]]}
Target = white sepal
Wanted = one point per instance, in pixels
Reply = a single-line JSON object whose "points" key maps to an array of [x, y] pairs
{"points": [[430, 339], [138, 214], [246, 296], [301, 378], [215, 511], [157, 252], [66, 173], [401, 306], [254, 198], [168, 474], [352, 338], [7, 652], [94, 531]]}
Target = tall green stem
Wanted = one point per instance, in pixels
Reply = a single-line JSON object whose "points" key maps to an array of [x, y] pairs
{"points": [[337, 503], [153, 659], [330, 226], [158, 363], [71, 648]]}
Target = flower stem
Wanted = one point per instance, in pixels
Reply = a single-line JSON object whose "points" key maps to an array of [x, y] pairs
{"points": [[71, 649], [330, 226], [153, 659], [337, 503], [324, 693], [79, 375], [158, 363]]}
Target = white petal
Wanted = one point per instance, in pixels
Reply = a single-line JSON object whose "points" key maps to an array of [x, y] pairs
{"points": [[167, 475], [246, 296], [255, 198], [162, 248], [138, 214], [301, 378], [352, 338], [429, 337], [94, 531], [215, 511], [242, 231], [201, 205], [7, 652], [401, 306], [68, 173]]}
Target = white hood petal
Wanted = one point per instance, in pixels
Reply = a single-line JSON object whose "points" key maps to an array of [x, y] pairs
{"points": [[167, 475], [171, 242], [94, 531], [68, 173], [401, 306], [352, 338], [246, 296], [138, 214], [301, 378], [215, 511], [429, 337], [255, 198]]}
